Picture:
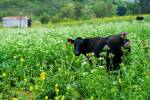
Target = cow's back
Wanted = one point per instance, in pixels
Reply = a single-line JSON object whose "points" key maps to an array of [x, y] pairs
{"points": [[114, 43], [94, 45]]}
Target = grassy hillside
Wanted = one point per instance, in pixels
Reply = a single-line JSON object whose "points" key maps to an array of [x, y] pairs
{"points": [[38, 63]]}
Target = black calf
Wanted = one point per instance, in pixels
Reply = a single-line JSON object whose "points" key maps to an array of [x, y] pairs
{"points": [[115, 43], [139, 18]]}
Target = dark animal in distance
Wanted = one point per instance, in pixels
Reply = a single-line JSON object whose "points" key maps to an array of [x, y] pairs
{"points": [[97, 44], [139, 18]]}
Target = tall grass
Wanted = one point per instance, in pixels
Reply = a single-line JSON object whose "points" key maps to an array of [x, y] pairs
{"points": [[39, 64]]}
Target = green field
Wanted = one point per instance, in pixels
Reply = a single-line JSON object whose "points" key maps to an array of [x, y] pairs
{"points": [[38, 64]]}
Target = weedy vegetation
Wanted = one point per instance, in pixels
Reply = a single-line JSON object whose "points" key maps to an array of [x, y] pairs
{"points": [[38, 64]]}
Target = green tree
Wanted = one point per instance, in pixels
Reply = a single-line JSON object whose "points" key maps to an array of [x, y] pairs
{"points": [[87, 13], [102, 9], [133, 8], [67, 11], [121, 7], [121, 10], [44, 19], [145, 6], [78, 10]]}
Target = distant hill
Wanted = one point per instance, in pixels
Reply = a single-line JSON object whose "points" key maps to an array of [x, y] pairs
{"points": [[35, 7], [71, 9]]}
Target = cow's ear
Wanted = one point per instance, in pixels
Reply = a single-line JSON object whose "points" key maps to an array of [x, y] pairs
{"points": [[70, 41], [79, 37]]}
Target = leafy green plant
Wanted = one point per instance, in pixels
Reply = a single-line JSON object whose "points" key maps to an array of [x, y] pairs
{"points": [[44, 19]]}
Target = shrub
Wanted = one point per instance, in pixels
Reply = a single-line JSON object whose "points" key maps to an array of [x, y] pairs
{"points": [[44, 19]]}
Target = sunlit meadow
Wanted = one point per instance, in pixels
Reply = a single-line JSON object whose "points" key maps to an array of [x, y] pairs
{"points": [[38, 63]]}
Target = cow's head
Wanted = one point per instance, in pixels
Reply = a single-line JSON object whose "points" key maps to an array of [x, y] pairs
{"points": [[78, 44]]}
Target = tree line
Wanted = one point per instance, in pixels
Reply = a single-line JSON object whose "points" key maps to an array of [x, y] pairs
{"points": [[58, 10]]}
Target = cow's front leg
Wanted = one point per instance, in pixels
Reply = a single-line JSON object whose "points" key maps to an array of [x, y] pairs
{"points": [[97, 55]]}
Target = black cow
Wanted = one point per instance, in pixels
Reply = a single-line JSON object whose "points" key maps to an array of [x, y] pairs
{"points": [[88, 45], [97, 44], [139, 18], [116, 43]]}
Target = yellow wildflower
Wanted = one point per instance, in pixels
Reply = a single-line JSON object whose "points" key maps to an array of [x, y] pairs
{"points": [[56, 89], [43, 76], [92, 98], [63, 97], [46, 97], [14, 98], [22, 60], [4, 74], [56, 85]]}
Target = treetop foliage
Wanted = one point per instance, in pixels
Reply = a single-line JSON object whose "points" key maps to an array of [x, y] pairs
{"points": [[73, 9]]}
